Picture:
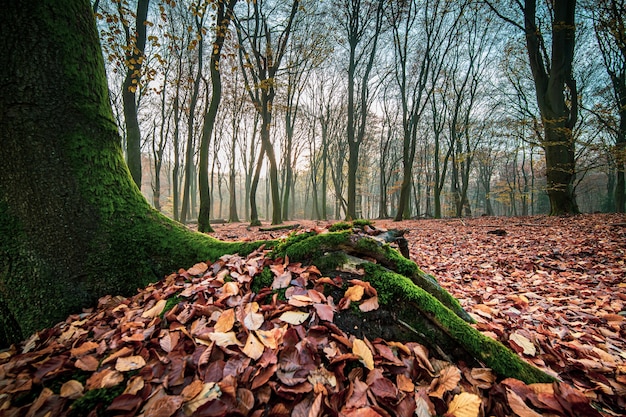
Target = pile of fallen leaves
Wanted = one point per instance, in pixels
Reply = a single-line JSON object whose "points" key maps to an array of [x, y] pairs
{"points": [[201, 342]]}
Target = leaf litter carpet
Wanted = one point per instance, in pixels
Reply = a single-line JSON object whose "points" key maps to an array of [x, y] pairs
{"points": [[201, 342]]}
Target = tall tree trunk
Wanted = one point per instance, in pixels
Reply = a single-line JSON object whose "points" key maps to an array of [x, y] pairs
{"points": [[134, 61], [223, 18], [559, 114], [62, 157]]}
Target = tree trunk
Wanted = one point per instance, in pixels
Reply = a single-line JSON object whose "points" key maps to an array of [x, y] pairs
{"points": [[224, 14], [559, 114], [79, 226], [136, 44]]}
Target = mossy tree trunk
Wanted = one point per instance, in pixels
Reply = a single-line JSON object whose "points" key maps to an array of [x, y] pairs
{"points": [[74, 225]]}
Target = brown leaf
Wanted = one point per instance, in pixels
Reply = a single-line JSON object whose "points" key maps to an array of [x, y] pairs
{"points": [[447, 380], [72, 389], [324, 311], [518, 405], [370, 304], [83, 349], [165, 406], [130, 363]]}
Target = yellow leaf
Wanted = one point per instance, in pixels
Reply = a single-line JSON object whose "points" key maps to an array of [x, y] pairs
{"points": [[224, 339], [523, 342], [294, 317], [155, 310], [226, 321], [360, 349], [253, 348], [354, 293], [230, 288], [72, 389], [211, 391], [270, 338], [464, 405], [130, 363]]}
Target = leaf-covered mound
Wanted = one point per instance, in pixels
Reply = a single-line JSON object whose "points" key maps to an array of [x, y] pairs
{"points": [[252, 337]]}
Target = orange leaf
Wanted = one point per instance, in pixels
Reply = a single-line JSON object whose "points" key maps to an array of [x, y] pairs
{"points": [[253, 348], [360, 349], [226, 321], [448, 380], [354, 293]]}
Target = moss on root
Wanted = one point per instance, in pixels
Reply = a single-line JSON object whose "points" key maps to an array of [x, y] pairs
{"points": [[395, 289], [428, 309]]}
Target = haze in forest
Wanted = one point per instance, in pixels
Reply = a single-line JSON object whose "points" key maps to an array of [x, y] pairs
{"points": [[370, 108]]}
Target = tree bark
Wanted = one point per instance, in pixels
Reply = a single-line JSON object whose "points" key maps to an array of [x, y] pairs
{"points": [[224, 16], [134, 61], [79, 226]]}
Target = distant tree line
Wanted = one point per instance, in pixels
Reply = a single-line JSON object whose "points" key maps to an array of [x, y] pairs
{"points": [[329, 109]]}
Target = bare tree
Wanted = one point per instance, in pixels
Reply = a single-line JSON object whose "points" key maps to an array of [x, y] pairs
{"points": [[262, 46]]}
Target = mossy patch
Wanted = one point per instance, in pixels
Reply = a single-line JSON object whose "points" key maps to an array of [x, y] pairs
{"points": [[395, 290]]}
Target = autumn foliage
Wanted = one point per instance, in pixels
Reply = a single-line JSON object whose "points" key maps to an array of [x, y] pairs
{"points": [[209, 341]]}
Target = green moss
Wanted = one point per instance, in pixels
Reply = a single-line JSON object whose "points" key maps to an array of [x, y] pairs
{"points": [[294, 237], [98, 399], [395, 289], [330, 261], [263, 280], [315, 246], [339, 226], [362, 222]]}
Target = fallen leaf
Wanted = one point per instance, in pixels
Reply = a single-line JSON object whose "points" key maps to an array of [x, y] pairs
{"points": [[518, 405], [354, 293], [294, 317], [225, 339], [253, 348], [226, 321], [130, 363], [464, 404], [210, 391], [370, 304], [360, 349], [447, 380], [155, 310], [528, 348], [72, 389]]}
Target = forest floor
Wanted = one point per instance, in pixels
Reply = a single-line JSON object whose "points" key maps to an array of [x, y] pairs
{"points": [[204, 342], [551, 288]]}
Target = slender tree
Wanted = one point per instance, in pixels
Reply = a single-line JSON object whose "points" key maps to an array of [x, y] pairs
{"points": [[262, 47], [224, 13], [362, 22], [135, 48], [610, 28]]}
